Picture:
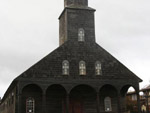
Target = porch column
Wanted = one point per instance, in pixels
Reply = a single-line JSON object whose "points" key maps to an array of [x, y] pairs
{"points": [[19, 102], [98, 104], [119, 102], [44, 103], [138, 102], [67, 103]]}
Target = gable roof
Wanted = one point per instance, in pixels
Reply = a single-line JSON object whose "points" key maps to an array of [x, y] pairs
{"points": [[50, 66], [146, 88]]}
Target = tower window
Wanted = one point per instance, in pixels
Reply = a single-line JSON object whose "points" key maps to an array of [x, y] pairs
{"points": [[98, 68], [107, 103], [81, 35], [65, 67], [82, 68], [30, 105]]}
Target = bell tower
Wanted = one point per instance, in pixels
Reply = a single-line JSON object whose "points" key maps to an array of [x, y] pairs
{"points": [[76, 22]]}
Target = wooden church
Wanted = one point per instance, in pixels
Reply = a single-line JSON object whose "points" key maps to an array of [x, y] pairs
{"points": [[77, 77]]}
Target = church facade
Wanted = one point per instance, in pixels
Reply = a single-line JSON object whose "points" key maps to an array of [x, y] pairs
{"points": [[77, 77]]}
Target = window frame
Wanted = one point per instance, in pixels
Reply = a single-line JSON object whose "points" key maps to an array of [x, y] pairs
{"points": [[30, 106], [82, 70], [81, 35], [96, 68], [134, 97], [107, 104], [65, 69]]}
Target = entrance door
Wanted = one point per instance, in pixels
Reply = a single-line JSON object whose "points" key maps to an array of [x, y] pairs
{"points": [[76, 106]]}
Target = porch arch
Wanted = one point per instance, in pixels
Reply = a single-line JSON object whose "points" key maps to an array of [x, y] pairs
{"points": [[82, 99], [35, 92], [56, 99], [124, 99], [108, 91]]}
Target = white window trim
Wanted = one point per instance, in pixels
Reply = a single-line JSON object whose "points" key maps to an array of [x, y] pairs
{"points": [[81, 35], [98, 68], [82, 68], [107, 104], [65, 67], [30, 104]]}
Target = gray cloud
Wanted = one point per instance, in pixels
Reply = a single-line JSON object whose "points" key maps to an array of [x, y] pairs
{"points": [[29, 31]]}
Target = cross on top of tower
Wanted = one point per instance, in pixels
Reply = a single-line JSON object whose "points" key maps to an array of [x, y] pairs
{"points": [[75, 2]]}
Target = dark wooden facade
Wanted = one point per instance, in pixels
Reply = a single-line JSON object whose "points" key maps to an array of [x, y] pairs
{"points": [[73, 93]]}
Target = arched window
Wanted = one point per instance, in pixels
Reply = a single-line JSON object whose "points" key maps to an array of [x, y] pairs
{"points": [[98, 68], [81, 35], [65, 67], [107, 103], [82, 68], [30, 105]]}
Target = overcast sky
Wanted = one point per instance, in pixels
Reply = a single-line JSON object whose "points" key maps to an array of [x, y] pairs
{"points": [[29, 31]]}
